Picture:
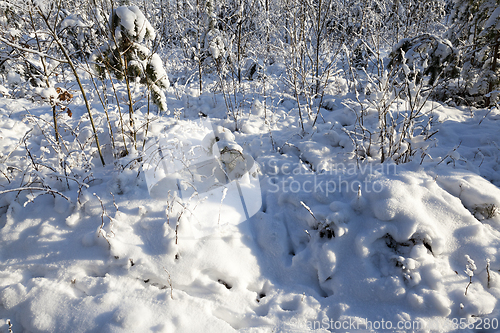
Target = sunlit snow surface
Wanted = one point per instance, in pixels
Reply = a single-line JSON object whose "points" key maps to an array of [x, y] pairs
{"points": [[342, 245]]}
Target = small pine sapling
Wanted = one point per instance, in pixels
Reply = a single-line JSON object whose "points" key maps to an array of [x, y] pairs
{"points": [[128, 57]]}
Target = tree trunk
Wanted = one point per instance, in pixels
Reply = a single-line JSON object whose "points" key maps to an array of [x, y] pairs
{"points": [[493, 69]]}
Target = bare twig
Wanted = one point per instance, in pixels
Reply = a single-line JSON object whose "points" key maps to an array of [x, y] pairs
{"points": [[488, 271], [170, 284], [48, 190]]}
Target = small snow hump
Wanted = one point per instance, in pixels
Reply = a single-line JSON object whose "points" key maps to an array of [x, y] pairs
{"points": [[206, 171]]}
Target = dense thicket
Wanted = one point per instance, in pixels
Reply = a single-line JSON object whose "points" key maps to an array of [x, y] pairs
{"points": [[382, 49], [232, 35]]}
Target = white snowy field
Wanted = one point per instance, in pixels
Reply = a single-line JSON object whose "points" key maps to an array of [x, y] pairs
{"points": [[337, 244]]}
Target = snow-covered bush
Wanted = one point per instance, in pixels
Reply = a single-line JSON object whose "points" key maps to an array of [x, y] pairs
{"points": [[476, 28], [215, 45], [398, 97], [361, 55], [81, 35], [14, 27], [426, 56], [406, 18]]}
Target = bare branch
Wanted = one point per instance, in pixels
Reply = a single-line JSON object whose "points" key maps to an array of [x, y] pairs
{"points": [[20, 48], [48, 190]]}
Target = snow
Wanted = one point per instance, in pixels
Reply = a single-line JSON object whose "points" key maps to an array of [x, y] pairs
{"points": [[73, 21], [219, 278], [47, 93], [471, 266], [4, 91], [266, 228], [127, 19], [161, 74], [135, 23], [493, 20]]}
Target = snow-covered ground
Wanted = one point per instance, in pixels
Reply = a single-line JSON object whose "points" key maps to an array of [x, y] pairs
{"points": [[336, 245]]}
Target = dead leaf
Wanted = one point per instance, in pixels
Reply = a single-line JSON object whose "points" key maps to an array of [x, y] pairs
{"points": [[65, 96]]}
